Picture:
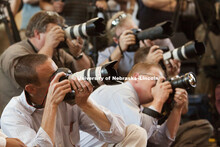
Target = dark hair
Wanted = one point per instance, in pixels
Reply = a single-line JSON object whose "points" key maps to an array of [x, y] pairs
{"points": [[141, 54], [25, 69], [40, 21], [143, 68]]}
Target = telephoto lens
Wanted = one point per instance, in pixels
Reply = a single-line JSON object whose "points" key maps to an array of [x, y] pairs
{"points": [[187, 51], [96, 76], [93, 27]]}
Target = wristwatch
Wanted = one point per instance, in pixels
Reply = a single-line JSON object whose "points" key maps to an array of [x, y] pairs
{"points": [[78, 57]]}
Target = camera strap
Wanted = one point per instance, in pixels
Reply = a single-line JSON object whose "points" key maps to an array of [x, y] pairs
{"points": [[152, 113]]}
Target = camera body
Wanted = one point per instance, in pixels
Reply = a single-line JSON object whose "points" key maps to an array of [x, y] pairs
{"points": [[160, 31], [96, 76]]}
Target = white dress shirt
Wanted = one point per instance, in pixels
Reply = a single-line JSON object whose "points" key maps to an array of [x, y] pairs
{"points": [[23, 121], [123, 100]]}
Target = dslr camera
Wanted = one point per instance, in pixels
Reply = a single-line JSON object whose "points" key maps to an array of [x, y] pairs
{"points": [[160, 31], [96, 76]]}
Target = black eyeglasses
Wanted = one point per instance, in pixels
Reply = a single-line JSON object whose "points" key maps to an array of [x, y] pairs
{"points": [[117, 20]]}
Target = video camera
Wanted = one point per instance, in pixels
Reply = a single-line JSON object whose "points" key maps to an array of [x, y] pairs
{"points": [[96, 76], [160, 31]]}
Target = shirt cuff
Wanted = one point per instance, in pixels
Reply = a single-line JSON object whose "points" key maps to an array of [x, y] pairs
{"points": [[43, 138], [165, 129], [2, 142]]}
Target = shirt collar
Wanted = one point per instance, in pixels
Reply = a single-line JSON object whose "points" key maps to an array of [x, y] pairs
{"points": [[25, 104], [135, 98]]}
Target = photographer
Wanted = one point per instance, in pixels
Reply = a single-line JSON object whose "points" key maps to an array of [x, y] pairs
{"points": [[154, 55], [119, 28], [195, 132], [44, 34], [145, 84], [40, 117]]}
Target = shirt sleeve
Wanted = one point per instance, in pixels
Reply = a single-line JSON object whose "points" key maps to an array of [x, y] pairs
{"points": [[103, 55], [114, 135], [19, 126], [160, 136], [2, 139]]}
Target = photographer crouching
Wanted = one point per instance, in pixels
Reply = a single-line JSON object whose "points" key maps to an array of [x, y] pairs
{"points": [[40, 117]]}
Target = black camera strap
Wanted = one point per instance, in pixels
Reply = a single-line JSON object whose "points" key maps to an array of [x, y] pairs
{"points": [[152, 113]]}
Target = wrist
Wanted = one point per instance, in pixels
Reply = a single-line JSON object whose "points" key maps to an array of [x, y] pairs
{"points": [[78, 57]]}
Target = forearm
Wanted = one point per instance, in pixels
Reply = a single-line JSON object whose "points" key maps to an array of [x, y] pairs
{"points": [[97, 116], [116, 55], [46, 6], [164, 5], [46, 51], [173, 122], [49, 121]]}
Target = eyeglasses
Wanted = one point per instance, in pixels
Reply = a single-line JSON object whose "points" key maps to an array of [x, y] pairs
{"points": [[117, 20]]}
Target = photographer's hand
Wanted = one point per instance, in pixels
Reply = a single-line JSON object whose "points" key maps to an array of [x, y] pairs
{"points": [[173, 68], [75, 46], [57, 90], [181, 99], [82, 91], [127, 38], [160, 93], [154, 55], [53, 37]]}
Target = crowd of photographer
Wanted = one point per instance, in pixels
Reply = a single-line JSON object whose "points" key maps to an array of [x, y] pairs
{"points": [[47, 83]]}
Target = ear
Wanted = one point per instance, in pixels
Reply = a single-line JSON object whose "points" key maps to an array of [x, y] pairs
{"points": [[30, 88], [36, 34], [136, 75]]}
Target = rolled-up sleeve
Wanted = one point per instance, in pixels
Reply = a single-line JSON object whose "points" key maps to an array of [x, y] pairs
{"points": [[114, 135], [19, 127]]}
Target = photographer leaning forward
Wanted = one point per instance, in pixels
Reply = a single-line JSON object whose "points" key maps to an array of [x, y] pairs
{"points": [[126, 100], [40, 117], [44, 34], [120, 37]]}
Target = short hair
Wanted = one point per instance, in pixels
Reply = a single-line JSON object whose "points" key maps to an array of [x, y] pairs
{"points": [[40, 21], [143, 68], [111, 30], [140, 54], [25, 69]]}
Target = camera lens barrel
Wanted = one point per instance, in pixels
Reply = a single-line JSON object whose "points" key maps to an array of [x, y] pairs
{"points": [[187, 51], [185, 81], [93, 27]]}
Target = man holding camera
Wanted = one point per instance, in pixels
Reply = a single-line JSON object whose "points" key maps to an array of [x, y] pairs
{"points": [[145, 84], [40, 117], [44, 35], [119, 29]]}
